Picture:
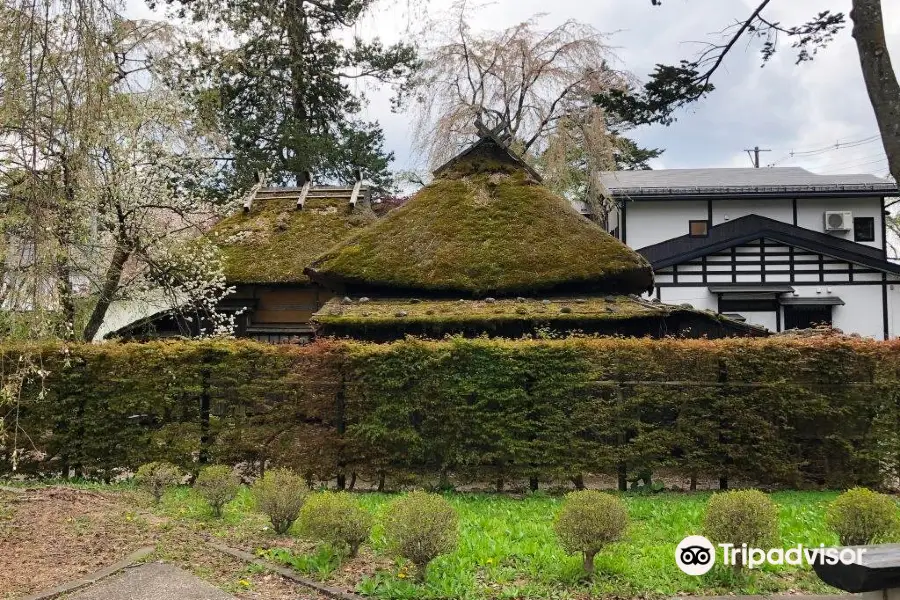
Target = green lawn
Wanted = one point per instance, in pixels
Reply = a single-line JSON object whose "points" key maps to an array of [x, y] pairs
{"points": [[508, 550]]}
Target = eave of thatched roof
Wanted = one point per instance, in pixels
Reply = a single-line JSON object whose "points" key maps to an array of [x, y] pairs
{"points": [[486, 227], [392, 318], [273, 241]]}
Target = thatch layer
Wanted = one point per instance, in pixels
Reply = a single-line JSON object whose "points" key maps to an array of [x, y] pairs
{"points": [[383, 319], [275, 241], [480, 234]]}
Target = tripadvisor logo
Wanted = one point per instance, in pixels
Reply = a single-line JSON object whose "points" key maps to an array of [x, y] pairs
{"points": [[696, 555]]}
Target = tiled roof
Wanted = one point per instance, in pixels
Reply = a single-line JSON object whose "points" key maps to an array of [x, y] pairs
{"points": [[704, 182]]}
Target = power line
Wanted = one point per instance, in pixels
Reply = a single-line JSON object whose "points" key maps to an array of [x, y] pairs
{"points": [[838, 145], [854, 166], [858, 159]]}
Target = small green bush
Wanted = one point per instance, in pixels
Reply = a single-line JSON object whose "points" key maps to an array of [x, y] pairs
{"points": [[157, 477], [280, 494], [741, 517], [218, 485], [420, 527], [860, 516], [588, 521], [336, 518]]}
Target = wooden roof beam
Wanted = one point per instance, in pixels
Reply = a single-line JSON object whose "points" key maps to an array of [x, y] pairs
{"points": [[356, 188], [304, 192], [251, 195]]}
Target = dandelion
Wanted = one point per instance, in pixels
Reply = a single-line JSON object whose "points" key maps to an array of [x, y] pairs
{"points": [[244, 583], [401, 575]]}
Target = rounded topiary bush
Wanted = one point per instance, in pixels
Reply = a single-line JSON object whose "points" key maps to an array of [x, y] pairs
{"points": [[157, 477], [280, 494], [588, 521], [218, 485], [336, 518], [420, 527], [741, 517], [860, 516]]}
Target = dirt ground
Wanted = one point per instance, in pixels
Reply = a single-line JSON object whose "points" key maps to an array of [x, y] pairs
{"points": [[53, 535]]}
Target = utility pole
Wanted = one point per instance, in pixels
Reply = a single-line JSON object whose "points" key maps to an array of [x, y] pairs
{"points": [[754, 155]]}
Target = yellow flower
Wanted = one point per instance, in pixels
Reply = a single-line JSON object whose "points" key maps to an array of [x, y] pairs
{"points": [[244, 583], [401, 575], [490, 561]]}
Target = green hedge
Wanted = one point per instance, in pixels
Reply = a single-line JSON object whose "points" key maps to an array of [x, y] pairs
{"points": [[813, 412]]}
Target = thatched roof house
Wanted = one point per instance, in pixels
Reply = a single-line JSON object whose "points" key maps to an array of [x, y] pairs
{"points": [[485, 248], [265, 247]]}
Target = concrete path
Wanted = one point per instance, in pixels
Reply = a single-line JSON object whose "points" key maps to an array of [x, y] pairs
{"points": [[154, 581]]}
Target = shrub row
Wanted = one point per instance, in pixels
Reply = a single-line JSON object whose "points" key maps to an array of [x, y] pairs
{"points": [[813, 412]]}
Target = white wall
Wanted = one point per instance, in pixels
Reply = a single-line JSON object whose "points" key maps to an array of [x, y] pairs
{"points": [[698, 297], [862, 312], [729, 210], [649, 223], [894, 309], [811, 213]]}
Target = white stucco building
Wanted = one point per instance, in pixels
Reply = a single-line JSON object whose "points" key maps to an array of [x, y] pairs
{"points": [[782, 248]]}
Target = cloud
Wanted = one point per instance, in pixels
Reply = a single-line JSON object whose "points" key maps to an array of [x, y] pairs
{"points": [[783, 107]]}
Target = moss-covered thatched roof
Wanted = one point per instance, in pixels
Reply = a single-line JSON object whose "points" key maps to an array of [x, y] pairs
{"points": [[391, 318], [274, 241], [484, 227]]}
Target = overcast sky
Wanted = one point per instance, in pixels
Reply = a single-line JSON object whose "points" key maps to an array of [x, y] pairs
{"points": [[783, 107]]}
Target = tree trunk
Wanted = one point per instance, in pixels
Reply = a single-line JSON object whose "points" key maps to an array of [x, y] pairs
{"points": [[297, 33], [879, 75], [589, 562], [107, 292]]}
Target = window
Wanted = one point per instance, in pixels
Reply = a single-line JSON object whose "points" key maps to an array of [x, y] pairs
{"points": [[806, 317], [698, 228], [864, 229], [738, 305]]}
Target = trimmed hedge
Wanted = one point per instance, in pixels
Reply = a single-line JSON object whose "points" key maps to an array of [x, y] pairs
{"points": [[798, 412]]}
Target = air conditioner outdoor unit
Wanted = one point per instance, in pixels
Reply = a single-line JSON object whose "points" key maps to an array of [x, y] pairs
{"points": [[838, 220]]}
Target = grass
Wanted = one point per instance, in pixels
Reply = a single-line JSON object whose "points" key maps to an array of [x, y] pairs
{"points": [[508, 550]]}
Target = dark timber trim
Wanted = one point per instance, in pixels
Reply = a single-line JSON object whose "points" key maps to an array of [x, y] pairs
{"points": [[884, 306], [709, 212], [762, 261], [754, 227], [794, 208], [622, 226], [697, 284], [637, 195]]}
